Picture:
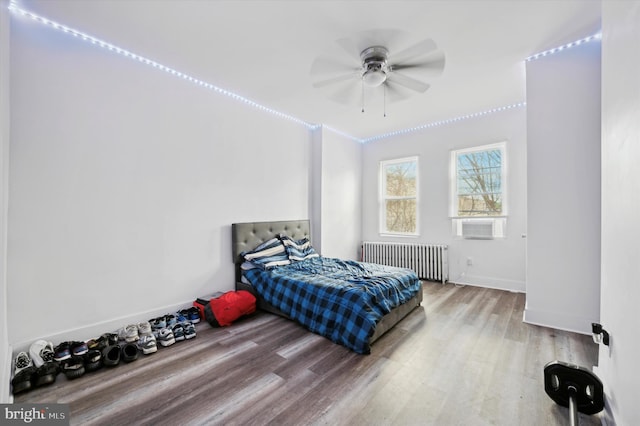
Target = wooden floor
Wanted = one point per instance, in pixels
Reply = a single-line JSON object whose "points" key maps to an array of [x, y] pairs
{"points": [[463, 358]]}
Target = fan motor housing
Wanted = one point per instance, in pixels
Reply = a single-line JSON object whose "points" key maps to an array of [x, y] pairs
{"points": [[374, 57]]}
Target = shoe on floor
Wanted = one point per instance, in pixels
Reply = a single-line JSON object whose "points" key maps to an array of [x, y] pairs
{"points": [[78, 348], [107, 339], [147, 344], [129, 333], [62, 352], [22, 381], [158, 324], [182, 316], [92, 360], [47, 373], [191, 314], [144, 328], [171, 320], [24, 373], [23, 360], [178, 332], [111, 355], [129, 352], [194, 315], [73, 367], [165, 337], [189, 330], [40, 352]]}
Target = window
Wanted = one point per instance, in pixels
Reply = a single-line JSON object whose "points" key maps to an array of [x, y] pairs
{"points": [[478, 197], [399, 196]]}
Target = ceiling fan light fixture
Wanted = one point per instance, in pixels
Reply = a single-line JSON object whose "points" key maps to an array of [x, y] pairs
{"points": [[374, 77]]}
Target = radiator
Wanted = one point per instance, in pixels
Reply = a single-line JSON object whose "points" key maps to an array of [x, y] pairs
{"points": [[429, 261]]}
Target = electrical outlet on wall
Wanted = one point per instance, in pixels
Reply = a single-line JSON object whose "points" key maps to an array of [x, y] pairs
{"points": [[469, 261]]}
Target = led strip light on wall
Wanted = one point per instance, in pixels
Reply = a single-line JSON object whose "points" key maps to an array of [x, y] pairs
{"points": [[443, 122], [593, 37], [15, 8]]}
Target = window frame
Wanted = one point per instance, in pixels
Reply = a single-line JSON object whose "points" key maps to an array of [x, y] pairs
{"points": [[498, 220], [383, 198]]}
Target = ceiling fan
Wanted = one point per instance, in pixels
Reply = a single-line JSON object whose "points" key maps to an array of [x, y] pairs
{"points": [[371, 62]]}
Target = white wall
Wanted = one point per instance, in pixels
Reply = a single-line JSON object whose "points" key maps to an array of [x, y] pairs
{"points": [[5, 349], [335, 203], [341, 200], [620, 292], [124, 183], [315, 200], [340, 194], [563, 189], [498, 263]]}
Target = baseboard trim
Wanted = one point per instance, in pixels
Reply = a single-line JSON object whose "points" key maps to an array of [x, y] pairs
{"points": [[488, 282], [5, 377], [558, 321], [91, 331]]}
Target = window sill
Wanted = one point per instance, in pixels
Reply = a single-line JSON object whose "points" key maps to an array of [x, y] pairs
{"points": [[390, 234]]}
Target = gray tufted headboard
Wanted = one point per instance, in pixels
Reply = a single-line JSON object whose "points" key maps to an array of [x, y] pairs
{"points": [[246, 236]]}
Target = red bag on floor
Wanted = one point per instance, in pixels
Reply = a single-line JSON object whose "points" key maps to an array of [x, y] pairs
{"points": [[224, 310]]}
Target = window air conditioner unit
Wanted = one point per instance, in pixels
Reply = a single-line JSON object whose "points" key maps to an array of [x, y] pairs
{"points": [[477, 229]]}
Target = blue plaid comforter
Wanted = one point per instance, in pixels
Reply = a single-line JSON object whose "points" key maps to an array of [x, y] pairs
{"points": [[342, 300]]}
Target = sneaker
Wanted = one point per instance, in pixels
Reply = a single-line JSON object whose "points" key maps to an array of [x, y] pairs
{"points": [[178, 332], [107, 339], [182, 316], [147, 344], [165, 337], [171, 320], [189, 330], [129, 352], [23, 361], [62, 352], [194, 315], [144, 328], [47, 373], [78, 348], [25, 373], [73, 367], [158, 324], [41, 351], [92, 360], [129, 333]]}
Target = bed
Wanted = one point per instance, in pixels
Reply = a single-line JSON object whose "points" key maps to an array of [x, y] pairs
{"points": [[247, 236]]}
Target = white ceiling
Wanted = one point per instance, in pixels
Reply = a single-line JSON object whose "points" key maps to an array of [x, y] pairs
{"points": [[263, 50]]}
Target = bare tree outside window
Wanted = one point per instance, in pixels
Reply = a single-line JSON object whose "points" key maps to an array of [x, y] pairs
{"points": [[479, 183], [399, 186]]}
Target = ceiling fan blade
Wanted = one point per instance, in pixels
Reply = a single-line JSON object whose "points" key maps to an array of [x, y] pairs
{"points": [[396, 92], [349, 47], [434, 64], [333, 80], [419, 49], [324, 65], [346, 93], [408, 82], [364, 39]]}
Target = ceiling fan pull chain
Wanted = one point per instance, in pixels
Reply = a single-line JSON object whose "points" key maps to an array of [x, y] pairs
{"points": [[362, 95], [384, 101]]}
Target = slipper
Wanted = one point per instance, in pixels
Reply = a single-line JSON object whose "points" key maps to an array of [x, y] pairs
{"points": [[129, 352], [111, 355]]}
